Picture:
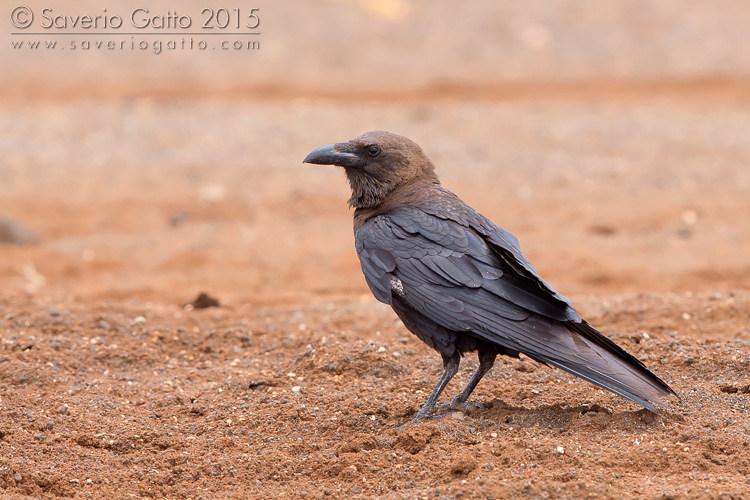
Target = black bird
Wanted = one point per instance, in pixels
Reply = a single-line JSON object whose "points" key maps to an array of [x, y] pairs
{"points": [[460, 283]]}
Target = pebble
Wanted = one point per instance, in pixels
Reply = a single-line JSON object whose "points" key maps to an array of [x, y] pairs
{"points": [[12, 231], [689, 217], [296, 389], [560, 450], [212, 193]]}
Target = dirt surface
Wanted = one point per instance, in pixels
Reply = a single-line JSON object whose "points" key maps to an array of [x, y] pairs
{"points": [[130, 183], [147, 400]]}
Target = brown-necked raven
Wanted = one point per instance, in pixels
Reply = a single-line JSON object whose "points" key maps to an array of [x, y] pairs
{"points": [[460, 283]]}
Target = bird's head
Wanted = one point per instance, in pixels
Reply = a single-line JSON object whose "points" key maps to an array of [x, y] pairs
{"points": [[376, 163]]}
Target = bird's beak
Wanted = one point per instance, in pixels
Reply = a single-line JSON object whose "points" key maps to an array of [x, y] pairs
{"points": [[342, 154]]}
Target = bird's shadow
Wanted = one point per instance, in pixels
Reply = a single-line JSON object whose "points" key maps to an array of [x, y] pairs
{"points": [[561, 417]]}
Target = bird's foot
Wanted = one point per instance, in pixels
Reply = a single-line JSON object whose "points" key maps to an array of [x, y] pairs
{"points": [[465, 407], [422, 415]]}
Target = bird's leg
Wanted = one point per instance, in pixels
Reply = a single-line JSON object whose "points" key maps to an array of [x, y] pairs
{"points": [[460, 402], [450, 366]]}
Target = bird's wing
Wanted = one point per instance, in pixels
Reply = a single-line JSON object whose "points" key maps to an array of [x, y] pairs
{"points": [[501, 241], [452, 275], [449, 254]]}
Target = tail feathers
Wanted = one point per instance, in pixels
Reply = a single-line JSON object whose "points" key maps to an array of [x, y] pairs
{"points": [[604, 363]]}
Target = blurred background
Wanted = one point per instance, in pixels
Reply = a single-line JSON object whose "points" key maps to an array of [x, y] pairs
{"points": [[612, 138]]}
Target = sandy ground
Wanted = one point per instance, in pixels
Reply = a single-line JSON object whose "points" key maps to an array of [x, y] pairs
{"points": [[130, 184]]}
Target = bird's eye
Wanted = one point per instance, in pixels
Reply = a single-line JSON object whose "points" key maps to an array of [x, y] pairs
{"points": [[373, 151]]}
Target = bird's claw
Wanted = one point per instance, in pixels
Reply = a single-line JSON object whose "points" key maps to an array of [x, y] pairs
{"points": [[419, 418], [423, 415], [465, 407]]}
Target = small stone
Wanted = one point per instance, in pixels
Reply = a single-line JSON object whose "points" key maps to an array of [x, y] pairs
{"points": [[63, 410], [204, 301], [139, 320], [689, 217], [457, 415], [179, 218], [17, 478], [212, 193], [381, 349], [493, 434], [296, 389], [560, 450], [55, 313], [103, 325], [12, 231]]}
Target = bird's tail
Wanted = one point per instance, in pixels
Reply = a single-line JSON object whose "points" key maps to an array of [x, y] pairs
{"points": [[604, 363]]}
